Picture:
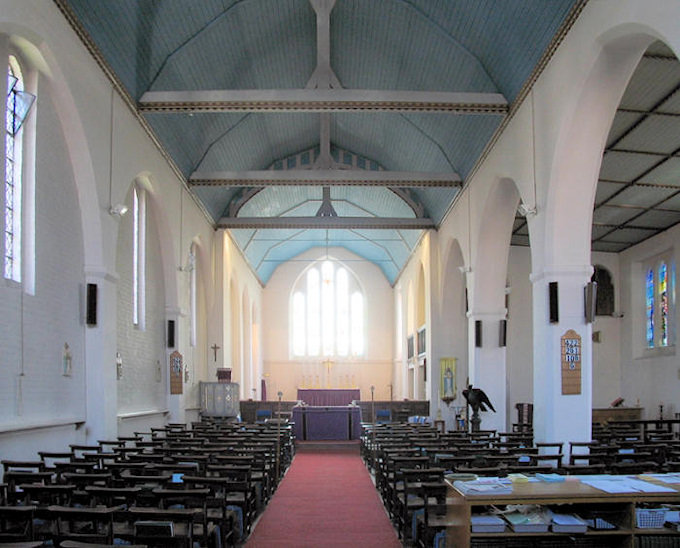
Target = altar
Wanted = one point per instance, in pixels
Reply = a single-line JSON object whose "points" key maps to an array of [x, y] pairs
{"points": [[328, 396], [327, 423]]}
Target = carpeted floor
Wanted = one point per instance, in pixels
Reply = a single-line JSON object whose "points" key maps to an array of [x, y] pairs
{"points": [[327, 499]]}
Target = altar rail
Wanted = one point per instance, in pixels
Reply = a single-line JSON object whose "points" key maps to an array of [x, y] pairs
{"points": [[400, 410], [249, 408]]}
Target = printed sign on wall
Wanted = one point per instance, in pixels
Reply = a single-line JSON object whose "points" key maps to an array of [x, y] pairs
{"points": [[571, 362], [176, 373]]}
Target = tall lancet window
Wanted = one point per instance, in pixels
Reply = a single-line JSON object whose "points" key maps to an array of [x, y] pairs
{"points": [[659, 302], [327, 313], [17, 107], [649, 306], [663, 304], [192, 292], [138, 256]]}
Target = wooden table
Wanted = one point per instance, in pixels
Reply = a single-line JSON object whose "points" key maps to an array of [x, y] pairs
{"points": [[570, 497]]}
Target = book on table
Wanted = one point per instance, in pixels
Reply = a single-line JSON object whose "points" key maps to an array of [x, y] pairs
{"points": [[527, 523], [483, 487], [485, 523], [568, 523]]}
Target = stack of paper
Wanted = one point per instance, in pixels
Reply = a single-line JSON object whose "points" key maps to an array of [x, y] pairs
{"points": [[568, 523], [487, 524], [518, 478], [527, 523], [480, 487], [552, 478]]}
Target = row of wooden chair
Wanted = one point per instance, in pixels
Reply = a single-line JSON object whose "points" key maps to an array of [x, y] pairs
{"points": [[228, 471], [391, 450]]}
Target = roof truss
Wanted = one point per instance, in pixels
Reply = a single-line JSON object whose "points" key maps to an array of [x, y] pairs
{"points": [[325, 177], [400, 223], [322, 100]]}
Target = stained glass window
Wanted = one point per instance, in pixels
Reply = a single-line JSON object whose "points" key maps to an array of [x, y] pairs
{"points": [[327, 313], [659, 302], [649, 301], [663, 305]]}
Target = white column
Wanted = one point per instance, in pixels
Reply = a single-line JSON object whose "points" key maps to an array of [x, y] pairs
{"points": [[100, 361], [560, 417], [175, 401], [487, 367]]}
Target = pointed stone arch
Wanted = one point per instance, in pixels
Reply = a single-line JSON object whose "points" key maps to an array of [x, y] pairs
{"points": [[450, 327]]}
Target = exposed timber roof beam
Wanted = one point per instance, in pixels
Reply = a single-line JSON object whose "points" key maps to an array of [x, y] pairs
{"points": [[327, 222], [323, 76], [326, 177], [322, 100]]}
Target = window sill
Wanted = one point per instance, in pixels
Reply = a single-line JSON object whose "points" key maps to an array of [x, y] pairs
{"points": [[11, 284], [40, 425], [658, 352]]}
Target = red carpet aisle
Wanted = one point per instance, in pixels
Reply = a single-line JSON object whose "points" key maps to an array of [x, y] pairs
{"points": [[326, 500]]}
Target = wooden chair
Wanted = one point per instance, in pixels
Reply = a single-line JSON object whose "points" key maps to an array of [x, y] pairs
{"points": [[410, 499], [218, 519], [231, 490], [395, 480], [16, 523], [78, 544], [181, 496], [433, 519], [180, 535], [50, 458], [14, 478], [83, 524], [112, 496], [39, 494]]}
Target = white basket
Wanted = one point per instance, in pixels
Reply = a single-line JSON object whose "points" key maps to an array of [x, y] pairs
{"points": [[650, 518]]}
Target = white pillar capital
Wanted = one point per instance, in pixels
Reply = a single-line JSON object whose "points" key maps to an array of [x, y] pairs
{"points": [[562, 272]]}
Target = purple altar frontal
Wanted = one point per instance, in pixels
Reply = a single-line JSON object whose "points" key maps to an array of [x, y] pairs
{"points": [[327, 423]]}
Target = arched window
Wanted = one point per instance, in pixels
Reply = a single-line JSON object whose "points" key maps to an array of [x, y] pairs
{"points": [[192, 293], [663, 304], [649, 305], [659, 302], [327, 316], [18, 104], [604, 302], [138, 256]]}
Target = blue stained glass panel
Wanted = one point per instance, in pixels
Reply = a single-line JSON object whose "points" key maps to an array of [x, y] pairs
{"points": [[649, 300], [663, 304]]}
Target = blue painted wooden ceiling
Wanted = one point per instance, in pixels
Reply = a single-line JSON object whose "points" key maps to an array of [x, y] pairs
{"points": [[482, 46]]}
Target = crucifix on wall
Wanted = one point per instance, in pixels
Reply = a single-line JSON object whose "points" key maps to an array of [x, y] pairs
{"points": [[215, 348]]}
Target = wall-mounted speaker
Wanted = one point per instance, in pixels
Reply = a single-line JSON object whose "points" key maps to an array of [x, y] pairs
{"points": [[171, 333], [478, 333], [91, 305], [589, 301], [554, 302], [502, 332]]}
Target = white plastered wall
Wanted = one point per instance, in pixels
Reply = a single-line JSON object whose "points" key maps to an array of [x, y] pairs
{"points": [[650, 376], [90, 148], [284, 373]]}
